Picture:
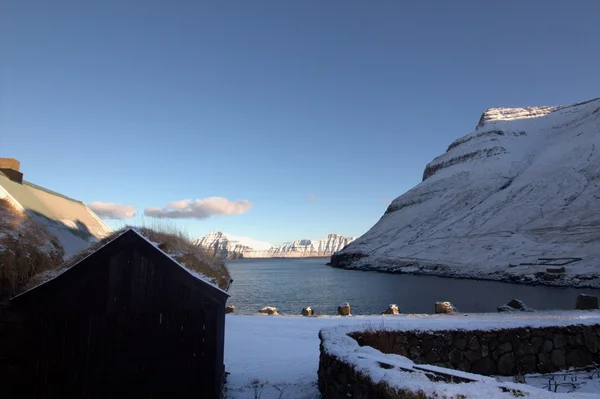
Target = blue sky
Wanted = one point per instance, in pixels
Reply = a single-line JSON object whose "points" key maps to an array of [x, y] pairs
{"points": [[313, 114]]}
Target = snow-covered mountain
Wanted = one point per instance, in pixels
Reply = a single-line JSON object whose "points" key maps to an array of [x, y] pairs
{"points": [[524, 185], [228, 246], [232, 247]]}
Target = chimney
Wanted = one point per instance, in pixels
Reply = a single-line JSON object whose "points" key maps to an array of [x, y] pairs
{"points": [[10, 168]]}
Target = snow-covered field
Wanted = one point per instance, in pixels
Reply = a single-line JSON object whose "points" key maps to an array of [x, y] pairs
{"points": [[278, 356], [584, 380], [524, 185]]}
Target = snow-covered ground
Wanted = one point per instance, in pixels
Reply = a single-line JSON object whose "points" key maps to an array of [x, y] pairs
{"points": [[583, 380], [524, 185], [278, 356]]}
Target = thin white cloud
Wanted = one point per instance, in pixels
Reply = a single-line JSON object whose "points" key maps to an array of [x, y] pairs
{"points": [[200, 208], [110, 210]]}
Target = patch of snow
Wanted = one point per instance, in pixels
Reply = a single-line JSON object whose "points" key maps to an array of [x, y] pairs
{"points": [[274, 354], [580, 380]]}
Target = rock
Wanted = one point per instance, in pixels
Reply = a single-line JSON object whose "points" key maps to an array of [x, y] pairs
{"points": [[485, 351], [269, 310], [575, 339], [515, 305], [558, 358], [560, 341], [578, 358], [460, 342], [591, 341], [344, 309], [464, 365], [528, 364], [537, 342], [307, 311], [392, 309], [455, 356], [525, 349], [485, 366], [474, 343], [432, 357], [586, 302], [545, 363], [472, 355], [547, 346], [506, 364], [504, 348], [230, 309], [445, 307]]}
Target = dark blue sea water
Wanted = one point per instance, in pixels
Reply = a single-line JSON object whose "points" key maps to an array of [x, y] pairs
{"points": [[291, 284]]}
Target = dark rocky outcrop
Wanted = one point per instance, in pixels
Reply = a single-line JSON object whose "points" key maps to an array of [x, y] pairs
{"points": [[515, 305], [586, 302]]}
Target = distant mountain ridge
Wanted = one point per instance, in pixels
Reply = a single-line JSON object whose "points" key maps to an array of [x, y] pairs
{"points": [[524, 185], [227, 246]]}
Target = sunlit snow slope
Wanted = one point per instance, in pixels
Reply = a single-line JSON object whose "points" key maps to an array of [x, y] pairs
{"points": [[524, 185]]}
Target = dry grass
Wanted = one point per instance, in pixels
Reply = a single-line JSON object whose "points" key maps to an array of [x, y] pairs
{"points": [[171, 242], [26, 249]]}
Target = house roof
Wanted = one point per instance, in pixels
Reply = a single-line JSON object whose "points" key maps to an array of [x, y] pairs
{"points": [[71, 221], [193, 274]]}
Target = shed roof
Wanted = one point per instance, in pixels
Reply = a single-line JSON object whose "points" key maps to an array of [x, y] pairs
{"points": [[194, 275], [71, 221]]}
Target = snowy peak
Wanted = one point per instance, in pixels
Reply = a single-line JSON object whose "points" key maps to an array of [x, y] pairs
{"points": [[215, 236], [233, 247], [512, 135], [509, 114]]}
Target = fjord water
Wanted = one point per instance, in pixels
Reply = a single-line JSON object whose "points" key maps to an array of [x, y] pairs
{"points": [[291, 284]]}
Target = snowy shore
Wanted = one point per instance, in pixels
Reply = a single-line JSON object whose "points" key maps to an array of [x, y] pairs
{"points": [[516, 275]]}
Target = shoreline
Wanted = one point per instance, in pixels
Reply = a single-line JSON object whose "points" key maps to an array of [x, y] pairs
{"points": [[503, 277], [282, 257]]}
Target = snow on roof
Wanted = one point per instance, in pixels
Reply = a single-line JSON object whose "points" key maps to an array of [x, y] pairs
{"points": [[51, 275], [194, 273], [71, 221], [366, 360]]}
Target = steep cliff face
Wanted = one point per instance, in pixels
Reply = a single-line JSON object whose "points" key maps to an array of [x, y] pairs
{"points": [[524, 185], [219, 244], [231, 247]]}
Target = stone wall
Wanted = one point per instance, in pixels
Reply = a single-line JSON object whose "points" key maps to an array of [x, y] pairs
{"points": [[498, 352], [339, 380]]}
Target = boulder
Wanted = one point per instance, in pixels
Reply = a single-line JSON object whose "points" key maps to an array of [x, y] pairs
{"points": [[392, 309], [586, 302], [445, 307], [307, 311], [269, 310], [344, 309], [230, 309], [515, 305]]}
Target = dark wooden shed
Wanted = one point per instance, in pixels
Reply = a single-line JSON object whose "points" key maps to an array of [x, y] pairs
{"points": [[126, 321]]}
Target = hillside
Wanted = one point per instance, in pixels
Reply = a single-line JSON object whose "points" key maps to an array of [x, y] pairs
{"points": [[523, 186], [227, 246]]}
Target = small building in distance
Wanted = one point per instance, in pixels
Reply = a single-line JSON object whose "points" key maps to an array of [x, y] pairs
{"points": [[125, 321]]}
